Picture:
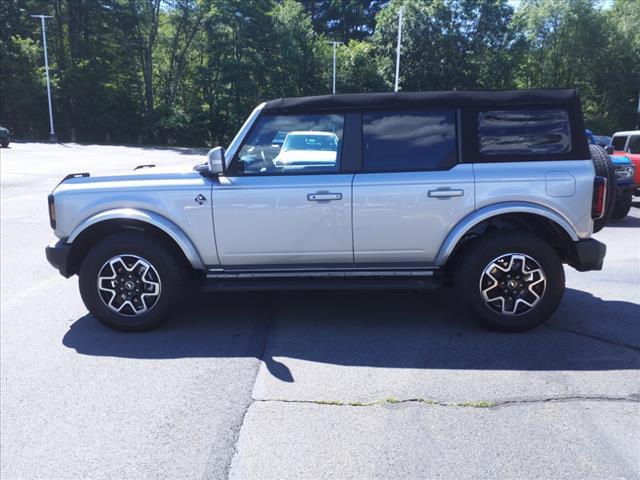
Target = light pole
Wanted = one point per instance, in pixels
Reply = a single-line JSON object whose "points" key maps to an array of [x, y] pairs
{"points": [[400, 12], [52, 133], [335, 44]]}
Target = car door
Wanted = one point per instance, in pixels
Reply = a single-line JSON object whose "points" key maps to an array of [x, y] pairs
{"points": [[285, 201], [412, 191]]}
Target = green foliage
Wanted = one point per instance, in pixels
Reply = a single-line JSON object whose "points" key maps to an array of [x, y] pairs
{"points": [[576, 44], [24, 99], [189, 71], [448, 44], [358, 69], [344, 20]]}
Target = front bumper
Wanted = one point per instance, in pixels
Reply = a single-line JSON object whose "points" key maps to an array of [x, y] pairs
{"points": [[59, 256], [587, 255], [623, 190]]}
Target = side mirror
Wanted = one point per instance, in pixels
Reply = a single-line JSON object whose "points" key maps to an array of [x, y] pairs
{"points": [[609, 149], [215, 160]]}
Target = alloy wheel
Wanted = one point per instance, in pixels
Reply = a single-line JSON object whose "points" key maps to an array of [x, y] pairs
{"points": [[129, 285], [512, 284]]}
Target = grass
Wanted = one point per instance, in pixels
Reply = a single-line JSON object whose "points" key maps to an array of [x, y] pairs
{"points": [[393, 400], [481, 404]]}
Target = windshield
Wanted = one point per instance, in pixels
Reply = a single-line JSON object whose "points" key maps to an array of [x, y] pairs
{"points": [[311, 142]]}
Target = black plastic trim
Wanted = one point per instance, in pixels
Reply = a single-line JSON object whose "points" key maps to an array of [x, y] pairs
{"points": [[58, 256], [587, 255], [75, 175], [51, 205], [351, 160], [385, 283]]}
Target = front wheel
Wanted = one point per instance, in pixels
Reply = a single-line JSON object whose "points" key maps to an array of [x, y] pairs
{"points": [[130, 281], [513, 281]]}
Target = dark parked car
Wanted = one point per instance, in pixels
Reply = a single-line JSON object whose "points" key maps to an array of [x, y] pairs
{"points": [[4, 137], [624, 170]]}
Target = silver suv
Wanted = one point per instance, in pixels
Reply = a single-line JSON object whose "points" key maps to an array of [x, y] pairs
{"points": [[490, 191]]}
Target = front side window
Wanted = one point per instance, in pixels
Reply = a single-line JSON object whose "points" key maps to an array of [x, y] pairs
{"points": [[524, 132], [291, 144], [634, 144], [619, 142], [409, 140]]}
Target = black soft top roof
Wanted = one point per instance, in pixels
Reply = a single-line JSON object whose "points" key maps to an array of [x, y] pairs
{"points": [[408, 100]]}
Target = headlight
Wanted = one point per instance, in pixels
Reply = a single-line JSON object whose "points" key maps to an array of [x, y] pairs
{"points": [[625, 172]]}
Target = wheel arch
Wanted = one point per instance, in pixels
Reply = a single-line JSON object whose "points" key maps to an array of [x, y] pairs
{"points": [[96, 227], [558, 223]]}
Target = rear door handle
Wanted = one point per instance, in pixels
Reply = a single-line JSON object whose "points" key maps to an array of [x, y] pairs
{"points": [[445, 193], [323, 196]]}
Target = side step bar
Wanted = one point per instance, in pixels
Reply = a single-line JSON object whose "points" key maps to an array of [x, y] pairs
{"points": [[321, 280]]}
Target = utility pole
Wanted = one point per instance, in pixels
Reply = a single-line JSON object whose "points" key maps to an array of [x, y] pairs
{"points": [[400, 12], [335, 44], [52, 133]]}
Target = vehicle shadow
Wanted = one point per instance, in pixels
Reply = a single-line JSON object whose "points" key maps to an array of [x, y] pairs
{"points": [[430, 330], [626, 222]]}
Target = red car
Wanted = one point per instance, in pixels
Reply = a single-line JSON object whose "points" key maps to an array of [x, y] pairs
{"points": [[628, 144]]}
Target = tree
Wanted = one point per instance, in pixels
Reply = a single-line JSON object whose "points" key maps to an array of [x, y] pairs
{"points": [[358, 69], [139, 21], [189, 71], [577, 44], [448, 44], [298, 62], [344, 20]]}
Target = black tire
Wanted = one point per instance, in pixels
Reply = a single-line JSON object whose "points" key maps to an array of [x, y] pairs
{"points": [[471, 278], [4, 143], [166, 265], [622, 206], [604, 168]]}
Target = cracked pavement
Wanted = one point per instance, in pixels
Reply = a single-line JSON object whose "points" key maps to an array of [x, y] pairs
{"points": [[397, 385]]}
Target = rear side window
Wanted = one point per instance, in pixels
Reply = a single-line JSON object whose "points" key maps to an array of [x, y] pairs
{"points": [[524, 132], [619, 142], [409, 140]]}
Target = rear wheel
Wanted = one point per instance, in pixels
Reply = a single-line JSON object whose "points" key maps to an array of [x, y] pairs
{"points": [[130, 281], [622, 206], [513, 281]]}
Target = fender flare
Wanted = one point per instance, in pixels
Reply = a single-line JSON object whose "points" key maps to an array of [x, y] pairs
{"points": [[471, 220], [144, 216]]}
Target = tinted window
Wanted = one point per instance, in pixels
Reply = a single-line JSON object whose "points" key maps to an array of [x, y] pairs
{"points": [[634, 144], [408, 140], [619, 142], [523, 132], [286, 144]]}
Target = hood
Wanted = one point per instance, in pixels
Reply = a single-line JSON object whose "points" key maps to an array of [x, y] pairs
{"points": [[620, 160], [140, 178]]}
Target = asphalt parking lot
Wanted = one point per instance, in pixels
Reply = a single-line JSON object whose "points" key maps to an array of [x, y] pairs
{"points": [[397, 385]]}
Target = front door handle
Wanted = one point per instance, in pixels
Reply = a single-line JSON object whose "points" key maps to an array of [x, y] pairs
{"points": [[323, 196], [446, 193]]}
